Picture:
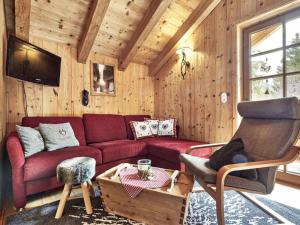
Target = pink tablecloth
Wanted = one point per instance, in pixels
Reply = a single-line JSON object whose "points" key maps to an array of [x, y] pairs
{"points": [[134, 185]]}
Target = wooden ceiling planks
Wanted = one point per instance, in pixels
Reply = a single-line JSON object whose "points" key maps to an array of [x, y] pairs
{"points": [[152, 15], [58, 21], [187, 28], [123, 18], [170, 22], [62, 21]]}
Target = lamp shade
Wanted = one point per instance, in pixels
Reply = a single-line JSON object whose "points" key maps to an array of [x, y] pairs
{"points": [[186, 50]]}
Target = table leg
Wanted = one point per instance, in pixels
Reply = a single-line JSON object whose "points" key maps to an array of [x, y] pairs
{"points": [[185, 210], [65, 194], [86, 198]]}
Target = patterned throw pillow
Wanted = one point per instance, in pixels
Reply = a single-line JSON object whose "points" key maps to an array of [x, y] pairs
{"points": [[31, 140], [140, 129], [58, 136], [167, 127], [153, 126]]}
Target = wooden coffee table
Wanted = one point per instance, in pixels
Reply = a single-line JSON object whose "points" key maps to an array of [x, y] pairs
{"points": [[151, 206]]}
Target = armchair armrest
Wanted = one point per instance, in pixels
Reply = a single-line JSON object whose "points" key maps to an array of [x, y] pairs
{"points": [[15, 151], [192, 148], [225, 170]]}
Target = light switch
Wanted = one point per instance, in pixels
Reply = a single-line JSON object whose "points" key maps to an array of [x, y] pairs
{"points": [[224, 97]]}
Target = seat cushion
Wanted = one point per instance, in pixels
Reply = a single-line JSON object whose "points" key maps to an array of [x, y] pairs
{"points": [[120, 149], [76, 124], [198, 167], [104, 127], [128, 119], [43, 164], [169, 149]]}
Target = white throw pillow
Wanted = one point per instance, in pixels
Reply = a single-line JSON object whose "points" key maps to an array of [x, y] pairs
{"points": [[58, 136], [167, 127], [140, 129], [31, 139], [153, 126]]}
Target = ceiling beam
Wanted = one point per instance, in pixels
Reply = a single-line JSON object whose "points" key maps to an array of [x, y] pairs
{"points": [[187, 28], [9, 8], [151, 17], [22, 18], [90, 30]]}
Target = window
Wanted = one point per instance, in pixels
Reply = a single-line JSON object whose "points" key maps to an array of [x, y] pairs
{"points": [[272, 58], [271, 67]]}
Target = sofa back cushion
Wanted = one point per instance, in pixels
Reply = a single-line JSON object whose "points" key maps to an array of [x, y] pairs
{"points": [[76, 124], [129, 118], [104, 127]]}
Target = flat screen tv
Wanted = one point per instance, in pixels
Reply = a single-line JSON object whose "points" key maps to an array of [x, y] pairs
{"points": [[30, 63]]}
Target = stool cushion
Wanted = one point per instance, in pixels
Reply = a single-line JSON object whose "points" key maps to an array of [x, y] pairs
{"points": [[76, 170]]}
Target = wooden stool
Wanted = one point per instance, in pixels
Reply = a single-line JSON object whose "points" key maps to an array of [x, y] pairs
{"points": [[79, 170]]}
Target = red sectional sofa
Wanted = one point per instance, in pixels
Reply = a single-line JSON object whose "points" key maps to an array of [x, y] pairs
{"points": [[106, 138]]}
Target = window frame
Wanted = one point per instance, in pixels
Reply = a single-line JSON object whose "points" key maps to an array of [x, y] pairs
{"points": [[280, 19]]}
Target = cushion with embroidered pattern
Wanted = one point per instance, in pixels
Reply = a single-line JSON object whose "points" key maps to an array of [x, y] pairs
{"points": [[153, 123], [167, 127], [58, 136], [140, 129]]}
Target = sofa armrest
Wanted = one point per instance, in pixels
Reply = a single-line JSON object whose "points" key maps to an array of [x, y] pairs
{"points": [[17, 160], [15, 151]]}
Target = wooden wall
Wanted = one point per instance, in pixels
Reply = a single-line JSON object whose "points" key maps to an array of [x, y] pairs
{"points": [[196, 100], [134, 89], [2, 92]]}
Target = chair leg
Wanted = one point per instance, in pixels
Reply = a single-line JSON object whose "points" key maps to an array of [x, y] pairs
{"points": [[220, 206], [86, 198], [65, 194]]}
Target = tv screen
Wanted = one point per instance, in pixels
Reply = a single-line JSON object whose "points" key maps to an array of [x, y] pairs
{"points": [[30, 63]]}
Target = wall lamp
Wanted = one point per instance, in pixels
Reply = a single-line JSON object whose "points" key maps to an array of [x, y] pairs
{"points": [[185, 65]]}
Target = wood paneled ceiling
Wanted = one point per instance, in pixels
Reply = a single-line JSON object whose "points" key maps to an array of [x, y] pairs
{"points": [[65, 21]]}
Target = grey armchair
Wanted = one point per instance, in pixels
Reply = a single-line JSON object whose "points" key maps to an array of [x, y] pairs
{"points": [[269, 130]]}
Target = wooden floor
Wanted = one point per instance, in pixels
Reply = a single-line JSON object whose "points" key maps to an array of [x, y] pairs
{"points": [[282, 193], [38, 200], [285, 194]]}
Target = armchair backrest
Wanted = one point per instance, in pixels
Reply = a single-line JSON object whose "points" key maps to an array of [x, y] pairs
{"points": [[268, 129]]}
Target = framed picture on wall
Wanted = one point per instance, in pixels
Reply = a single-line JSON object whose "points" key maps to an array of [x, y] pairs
{"points": [[103, 79]]}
